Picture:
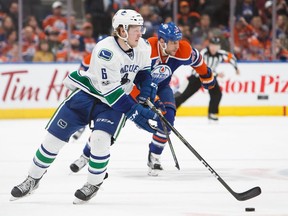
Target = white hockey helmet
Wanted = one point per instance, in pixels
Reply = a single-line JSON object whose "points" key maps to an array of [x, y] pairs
{"points": [[126, 17]]}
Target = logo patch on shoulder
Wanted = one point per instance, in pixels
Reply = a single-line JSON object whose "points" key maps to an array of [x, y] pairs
{"points": [[105, 54]]}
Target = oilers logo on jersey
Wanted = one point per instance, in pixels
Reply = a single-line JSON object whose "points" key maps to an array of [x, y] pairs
{"points": [[160, 73]]}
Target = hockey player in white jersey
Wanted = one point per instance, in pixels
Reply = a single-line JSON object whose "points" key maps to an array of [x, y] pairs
{"points": [[101, 99]]}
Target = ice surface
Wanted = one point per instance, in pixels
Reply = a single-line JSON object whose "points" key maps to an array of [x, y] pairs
{"points": [[244, 151]]}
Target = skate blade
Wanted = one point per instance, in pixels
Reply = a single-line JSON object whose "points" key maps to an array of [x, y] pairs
{"points": [[12, 198], [79, 201], [153, 172], [211, 121]]}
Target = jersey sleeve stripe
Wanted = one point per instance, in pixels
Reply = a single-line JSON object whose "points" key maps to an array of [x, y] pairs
{"points": [[198, 60], [84, 82]]}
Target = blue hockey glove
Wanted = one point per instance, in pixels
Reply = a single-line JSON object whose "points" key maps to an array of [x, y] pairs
{"points": [[141, 115], [147, 90], [159, 105], [208, 80]]}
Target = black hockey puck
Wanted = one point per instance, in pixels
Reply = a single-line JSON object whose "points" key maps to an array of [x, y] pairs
{"points": [[249, 209]]}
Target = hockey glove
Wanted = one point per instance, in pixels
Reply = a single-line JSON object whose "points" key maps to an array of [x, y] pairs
{"points": [[160, 105], [208, 80], [147, 90], [141, 115]]}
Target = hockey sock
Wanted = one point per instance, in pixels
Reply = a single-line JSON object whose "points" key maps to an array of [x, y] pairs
{"points": [[158, 143], [100, 142], [45, 155], [159, 138]]}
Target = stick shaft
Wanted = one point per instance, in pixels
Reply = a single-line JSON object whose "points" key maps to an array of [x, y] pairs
{"points": [[239, 196], [170, 144]]}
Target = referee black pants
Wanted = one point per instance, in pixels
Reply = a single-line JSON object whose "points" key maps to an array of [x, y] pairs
{"points": [[193, 86]]}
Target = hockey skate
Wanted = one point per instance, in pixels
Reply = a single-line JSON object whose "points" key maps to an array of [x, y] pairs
{"points": [[87, 192], [154, 164], [213, 117], [78, 164], [25, 188]]}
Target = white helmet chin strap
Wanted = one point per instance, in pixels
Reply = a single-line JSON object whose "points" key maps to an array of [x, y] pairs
{"points": [[124, 39], [163, 48]]}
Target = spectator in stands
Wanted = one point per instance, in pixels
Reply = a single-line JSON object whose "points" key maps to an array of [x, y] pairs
{"points": [[87, 41], [186, 17], [186, 32], [56, 19], [266, 14], [265, 42], [281, 51], [2, 14], [253, 52], [3, 58], [282, 26], [246, 9], [99, 13], [30, 43], [32, 21], [75, 32], [256, 23], [13, 13], [165, 8], [10, 47], [259, 46], [242, 31], [281, 7], [43, 54], [146, 12], [155, 18], [8, 25], [53, 41], [72, 55], [201, 33]]}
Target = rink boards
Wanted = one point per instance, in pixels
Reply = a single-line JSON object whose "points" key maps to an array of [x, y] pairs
{"points": [[35, 90]]}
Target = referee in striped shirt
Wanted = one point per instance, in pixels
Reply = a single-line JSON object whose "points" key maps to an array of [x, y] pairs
{"points": [[212, 55]]}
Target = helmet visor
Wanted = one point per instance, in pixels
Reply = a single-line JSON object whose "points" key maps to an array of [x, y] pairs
{"points": [[137, 29]]}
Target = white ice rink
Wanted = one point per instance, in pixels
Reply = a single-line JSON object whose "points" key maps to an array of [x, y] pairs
{"points": [[245, 151]]}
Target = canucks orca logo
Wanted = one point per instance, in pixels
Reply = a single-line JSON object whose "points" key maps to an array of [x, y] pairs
{"points": [[105, 54], [62, 124], [160, 73]]}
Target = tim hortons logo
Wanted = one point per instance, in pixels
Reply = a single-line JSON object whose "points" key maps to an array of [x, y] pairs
{"points": [[266, 84], [15, 88]]}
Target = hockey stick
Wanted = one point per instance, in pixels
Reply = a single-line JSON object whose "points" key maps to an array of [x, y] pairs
{"points": [[169, 140], [239, 196]]}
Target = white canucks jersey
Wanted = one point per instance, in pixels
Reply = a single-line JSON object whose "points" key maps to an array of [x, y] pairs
{"points": [[112, 70]]}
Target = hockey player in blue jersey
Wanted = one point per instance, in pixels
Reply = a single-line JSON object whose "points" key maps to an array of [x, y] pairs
{"points": [[101, 99], [168, 53]]}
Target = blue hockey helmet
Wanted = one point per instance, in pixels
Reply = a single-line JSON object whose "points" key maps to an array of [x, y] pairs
{"points": [[169, 32]]}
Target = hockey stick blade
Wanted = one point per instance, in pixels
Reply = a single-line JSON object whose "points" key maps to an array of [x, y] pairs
{"points": [[247, 194], [239, 196]]}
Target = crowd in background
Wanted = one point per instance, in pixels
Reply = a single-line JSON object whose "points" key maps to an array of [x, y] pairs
{"points": [[45, 37]]}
